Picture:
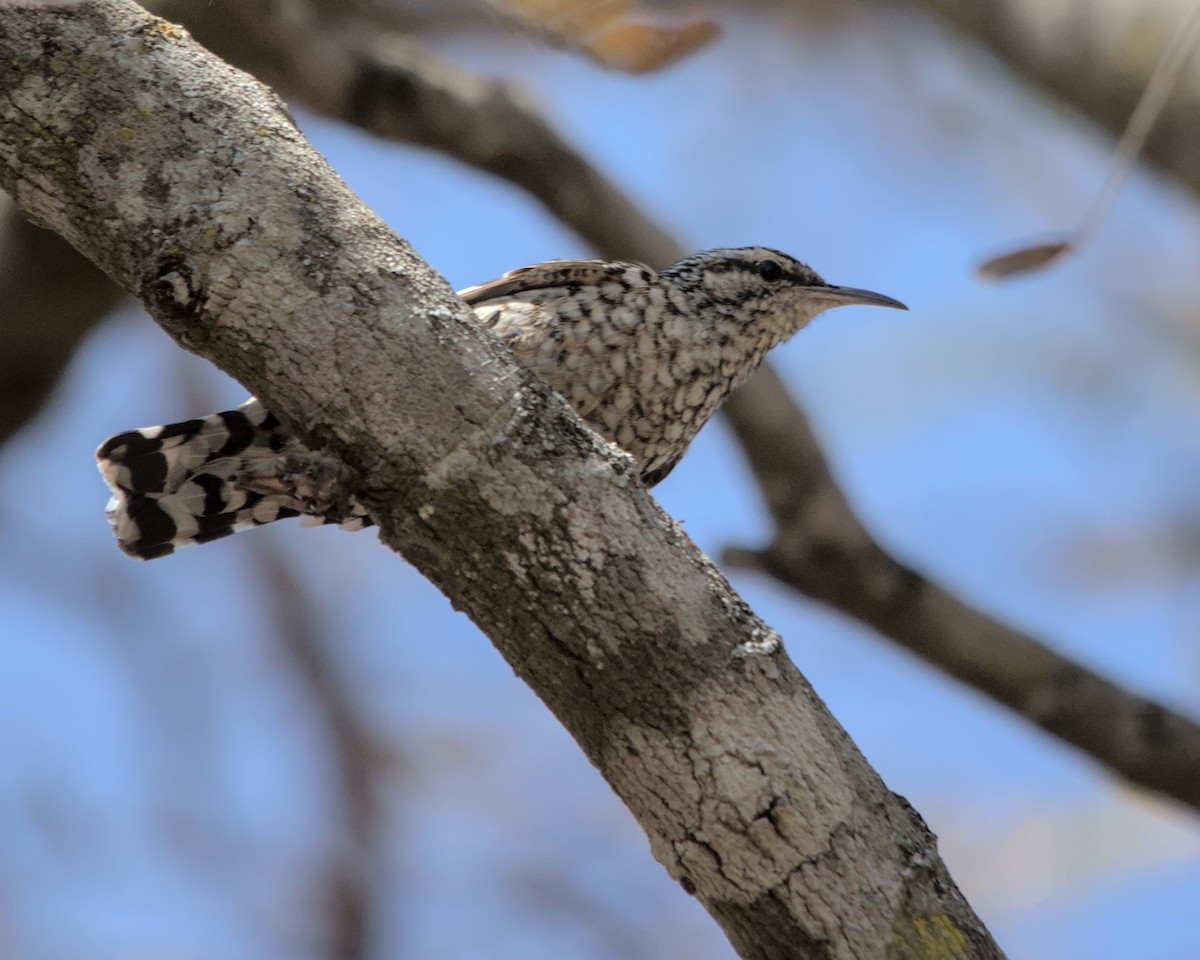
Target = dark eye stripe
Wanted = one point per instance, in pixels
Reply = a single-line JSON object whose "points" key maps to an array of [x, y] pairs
{"points": [[769, 270]]}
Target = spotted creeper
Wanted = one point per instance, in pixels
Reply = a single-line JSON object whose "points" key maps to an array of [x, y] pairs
{"points": [[645, 358]]}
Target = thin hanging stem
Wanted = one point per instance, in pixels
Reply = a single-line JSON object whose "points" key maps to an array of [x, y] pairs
{"points": [[1148, 109]]}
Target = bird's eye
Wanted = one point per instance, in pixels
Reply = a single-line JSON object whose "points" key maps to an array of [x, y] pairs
{"points": [[769, 270]]}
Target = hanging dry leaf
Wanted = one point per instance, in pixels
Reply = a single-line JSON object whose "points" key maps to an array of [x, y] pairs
{"points": [[1023, 260], [619, 34], [644, 47]]}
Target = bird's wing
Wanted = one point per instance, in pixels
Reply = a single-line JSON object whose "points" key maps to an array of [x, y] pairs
{"points": [[568, 274], [522, 309]]}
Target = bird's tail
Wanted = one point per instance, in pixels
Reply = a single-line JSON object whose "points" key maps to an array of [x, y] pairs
{"points": [[181, 484]]}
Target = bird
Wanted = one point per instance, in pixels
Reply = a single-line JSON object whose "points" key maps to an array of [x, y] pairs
{"points": [[645, 358]]}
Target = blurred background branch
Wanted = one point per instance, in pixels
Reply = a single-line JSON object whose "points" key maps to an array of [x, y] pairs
{"points": [[388, 85], [358, 63], [52, 297], [821, 549], [1095, 57]]}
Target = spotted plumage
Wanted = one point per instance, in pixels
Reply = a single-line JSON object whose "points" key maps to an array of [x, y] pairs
{"points": [[645, 358]]}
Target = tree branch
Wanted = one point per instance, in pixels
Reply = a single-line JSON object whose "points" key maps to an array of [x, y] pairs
{"points": [[185, 181], [1096, 57], [822, 550]]}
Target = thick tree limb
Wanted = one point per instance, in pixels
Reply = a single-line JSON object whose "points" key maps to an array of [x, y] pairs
{"points": [[821, 549], [185, 181]]}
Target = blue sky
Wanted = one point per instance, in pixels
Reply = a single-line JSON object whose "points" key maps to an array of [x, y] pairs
{"points": [[168, 789]]}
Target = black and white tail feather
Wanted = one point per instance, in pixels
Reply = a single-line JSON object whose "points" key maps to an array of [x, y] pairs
{"points": [[180, 484]]}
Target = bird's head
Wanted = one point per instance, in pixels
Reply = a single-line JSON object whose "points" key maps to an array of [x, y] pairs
{"points": [[762, 290]]}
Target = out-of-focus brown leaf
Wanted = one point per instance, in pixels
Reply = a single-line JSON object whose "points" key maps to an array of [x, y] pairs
{"points": [[619, 34], [1023, 260]]}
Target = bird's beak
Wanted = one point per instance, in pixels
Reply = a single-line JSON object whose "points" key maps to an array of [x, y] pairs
{"points": [[841, 296]]}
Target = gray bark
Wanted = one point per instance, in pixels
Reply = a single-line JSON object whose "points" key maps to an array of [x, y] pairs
{"points": [[185, 181]]}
